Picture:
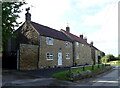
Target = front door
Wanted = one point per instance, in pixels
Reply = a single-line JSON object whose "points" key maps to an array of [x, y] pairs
{"points": [[59, 58]]}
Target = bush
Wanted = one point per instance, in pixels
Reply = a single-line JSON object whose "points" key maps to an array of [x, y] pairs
{"points": [[79, 74], [105, 59]]}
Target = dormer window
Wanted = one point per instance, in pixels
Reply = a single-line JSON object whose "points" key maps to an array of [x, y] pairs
{"points": [[49, 41], [67, 44]]}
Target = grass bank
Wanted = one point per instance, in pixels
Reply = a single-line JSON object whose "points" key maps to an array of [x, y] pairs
{"points": [[117, 62], [80, 72]]}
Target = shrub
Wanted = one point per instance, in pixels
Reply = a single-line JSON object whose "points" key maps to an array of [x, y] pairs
{"points": [[78, 74]]}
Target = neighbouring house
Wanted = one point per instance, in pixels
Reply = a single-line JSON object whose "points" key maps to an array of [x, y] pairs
{"points": [[82, 50], [95, 54], [38, 46]]}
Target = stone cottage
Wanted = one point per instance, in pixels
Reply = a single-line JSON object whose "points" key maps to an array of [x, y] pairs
{"points": [[95, 54], [39, 46], [82, 50], [84, 53]]}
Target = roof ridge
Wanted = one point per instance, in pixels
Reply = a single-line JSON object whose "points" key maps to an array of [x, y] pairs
{"points": [[75, 36], [45, 26]]}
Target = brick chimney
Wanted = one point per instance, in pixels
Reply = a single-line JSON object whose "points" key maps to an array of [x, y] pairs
{"points": [[68, 29], [28, 15], [81, 36], [91, 43]]}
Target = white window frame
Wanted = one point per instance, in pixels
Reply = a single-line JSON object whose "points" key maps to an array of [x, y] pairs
{"points": [[49, 41], [50, 55], [67, 56], [67, 44], [83, 45], [78, 56], [77, 44]]}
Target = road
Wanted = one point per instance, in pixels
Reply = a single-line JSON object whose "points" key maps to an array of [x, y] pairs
{"points": [[109, 79]]}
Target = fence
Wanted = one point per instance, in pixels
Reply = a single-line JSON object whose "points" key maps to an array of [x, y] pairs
{"points": [[74, 75], [92, 66]]}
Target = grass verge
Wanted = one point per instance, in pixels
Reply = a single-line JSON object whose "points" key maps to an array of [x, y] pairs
{"points": [[64, 75], [117, 62]]}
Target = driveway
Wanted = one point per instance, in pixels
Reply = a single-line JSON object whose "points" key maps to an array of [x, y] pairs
{"points": [[13, 76]]}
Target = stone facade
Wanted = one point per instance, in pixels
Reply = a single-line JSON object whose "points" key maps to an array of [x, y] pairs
{"points": [[58, 46], [28, 57], [30, 34], [93, 55], [82, 54], [33, 51], [97, 56]]}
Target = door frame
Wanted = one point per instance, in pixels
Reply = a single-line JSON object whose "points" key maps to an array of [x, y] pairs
{"points": [[59, 62]]}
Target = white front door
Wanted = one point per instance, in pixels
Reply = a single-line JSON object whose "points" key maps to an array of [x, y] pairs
{"points": [[59, 58]]}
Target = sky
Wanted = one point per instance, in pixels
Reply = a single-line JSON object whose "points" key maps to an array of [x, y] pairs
{"points": [[95, 19]]}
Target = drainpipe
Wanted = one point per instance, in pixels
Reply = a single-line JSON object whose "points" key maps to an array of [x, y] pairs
{"points": [[38, 51], [73, 53]]}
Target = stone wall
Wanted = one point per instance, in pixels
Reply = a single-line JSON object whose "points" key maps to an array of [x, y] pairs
{"points": [[93, 55], [83, 54], [58, 46], [28, 59], [97, 54]]}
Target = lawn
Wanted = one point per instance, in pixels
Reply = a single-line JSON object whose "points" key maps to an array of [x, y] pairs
{"points": [[64, 75], [117, 62]]}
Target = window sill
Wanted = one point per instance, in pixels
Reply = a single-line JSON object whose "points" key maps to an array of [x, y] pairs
{"points": [[67, 58], [50, 44], [49, 59]]}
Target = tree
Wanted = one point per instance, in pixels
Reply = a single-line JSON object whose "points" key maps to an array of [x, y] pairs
{"points": [[108, 58], [10, 12], [119, 56], [105, 59], [102, 54]]}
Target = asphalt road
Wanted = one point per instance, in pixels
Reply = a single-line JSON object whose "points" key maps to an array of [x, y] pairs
{"points": [[109, 80]]}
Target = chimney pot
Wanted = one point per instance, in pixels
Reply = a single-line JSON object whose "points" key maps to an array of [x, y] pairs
{"points": [[68, 29], [91, 42], [81, 36]]}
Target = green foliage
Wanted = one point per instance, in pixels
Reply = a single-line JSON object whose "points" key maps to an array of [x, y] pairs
{"points": [[104, 59], [77, 72], [102, 54], [119, 56], [109, 58], [117, 62], [10, 12]]}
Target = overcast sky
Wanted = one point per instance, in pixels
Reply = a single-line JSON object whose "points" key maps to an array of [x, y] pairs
{"points": [[95, 19]]}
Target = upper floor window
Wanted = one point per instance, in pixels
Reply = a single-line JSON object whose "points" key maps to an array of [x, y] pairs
{"points": [[67, 56], [49, 56], [77, 44], [67, 44], [49, 41]]}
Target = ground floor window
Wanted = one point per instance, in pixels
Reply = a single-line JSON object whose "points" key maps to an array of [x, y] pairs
{"points": [[49, 56], [78, 56], [67, 56]]}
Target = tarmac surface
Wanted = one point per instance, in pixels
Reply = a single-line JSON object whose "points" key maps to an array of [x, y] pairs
{"points": [[42, 78]]}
